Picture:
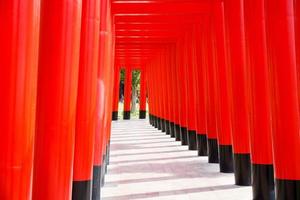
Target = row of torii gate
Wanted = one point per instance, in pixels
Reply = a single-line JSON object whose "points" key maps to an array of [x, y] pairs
{"points": [[221, 76]]}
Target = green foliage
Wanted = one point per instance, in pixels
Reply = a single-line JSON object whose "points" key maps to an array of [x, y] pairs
{"points": [[136, 75]]}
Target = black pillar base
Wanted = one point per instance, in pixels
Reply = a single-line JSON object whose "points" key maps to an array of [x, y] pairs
{"points": [[142, 114], [192, 140], [163, 125], [115, 115], [168, 130], [108, 152], [126, 115], [155, 120], [226, 158], [96, 182], [158, 123], [263, 182], [184, 136], [242, 169], [103, 171], [172, 130], [177, 132], [202, 144], [213, 153], [82, 190], [287, 189]]}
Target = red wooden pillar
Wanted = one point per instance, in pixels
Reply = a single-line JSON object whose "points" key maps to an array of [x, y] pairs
{"points": [[164, 91], [167, 91], [142, 114], [116, 94], [191, 91], [159, 93], [183, 94], [297, 39], [222, 90], [234, 18], [99, 142], [86, 101], [177, 96], [110, 71], [285, 106], [172, 92], [127, 93], [200, 93], [56, 99], [209, 65], [19, 37], [259, 98]]}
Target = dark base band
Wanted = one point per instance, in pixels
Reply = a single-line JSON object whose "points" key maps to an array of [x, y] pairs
{"points": [[96, 182], [168, 130], [155, 120], [184, 136], [226, 158], [242, 169], [126, 115], [213, 154], [150, 119], [192, 140], [158, 123], [172, 129], [103, 166], [142, 114], [177, 132], [163, 125], [263, 182], [287, 189], [107, 155], [202, 144], [82, 190], [115, 115]]}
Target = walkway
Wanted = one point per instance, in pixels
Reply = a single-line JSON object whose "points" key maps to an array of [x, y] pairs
{"points": [[147, 164]]}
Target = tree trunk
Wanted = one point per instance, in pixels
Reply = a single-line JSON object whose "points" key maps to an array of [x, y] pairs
{"points": [[133, 102]]}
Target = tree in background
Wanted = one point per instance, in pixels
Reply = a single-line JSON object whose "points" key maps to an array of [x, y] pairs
{"points": [[135, 87]]}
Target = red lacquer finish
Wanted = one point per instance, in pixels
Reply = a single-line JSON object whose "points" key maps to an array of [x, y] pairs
{"points": [[235, 37], [19, 39], [283, 75], [87, 91], [56, 99], [258, 78], [223, 116]]}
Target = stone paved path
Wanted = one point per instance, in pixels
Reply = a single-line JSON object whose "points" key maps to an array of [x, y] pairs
{"points": [[147, 164]]}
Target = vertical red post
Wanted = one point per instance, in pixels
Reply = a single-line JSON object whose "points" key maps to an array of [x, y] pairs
{"points": [[259, 98], [285, 97], [222, 90], [183, 94], [235, 38], [177, 95], [86, 100], [56, 99], [127, 93], [142, 114], [162, 90], [191, 94], [19, 39], [172, 93], [116, 94], [200, 93], [209, 64]]}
